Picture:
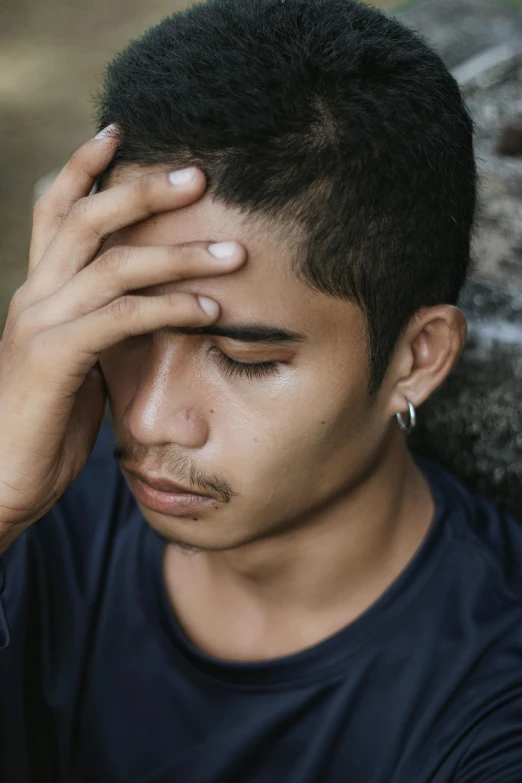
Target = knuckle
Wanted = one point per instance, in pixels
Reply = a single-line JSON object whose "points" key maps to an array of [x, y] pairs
{"points": [[82, 216], [22, 328], [81, 208], [17, 301], [79, 211], [191, 251], [124, 307], [114, 261], [178, 253], [146, 185]]}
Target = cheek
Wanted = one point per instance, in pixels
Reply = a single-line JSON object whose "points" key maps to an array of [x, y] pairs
{"points": [[309, 442], [303, 410], [119, 369], [289, 435]]}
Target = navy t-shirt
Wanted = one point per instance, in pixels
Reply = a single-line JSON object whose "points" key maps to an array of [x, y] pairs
{"points": [[98, 682]]}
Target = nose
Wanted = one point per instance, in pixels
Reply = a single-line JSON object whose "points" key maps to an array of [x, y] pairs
{"points": [[168, 405]]}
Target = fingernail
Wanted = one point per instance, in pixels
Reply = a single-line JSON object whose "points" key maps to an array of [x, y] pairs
{"points": [[223, 249], [209, 306], [183, 176], [106, 132]]}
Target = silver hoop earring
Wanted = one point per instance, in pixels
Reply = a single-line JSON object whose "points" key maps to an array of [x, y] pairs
{"points": [[410, 426]]}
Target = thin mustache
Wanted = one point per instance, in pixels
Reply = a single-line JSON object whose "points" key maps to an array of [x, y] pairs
{"points": [[183, 467]]}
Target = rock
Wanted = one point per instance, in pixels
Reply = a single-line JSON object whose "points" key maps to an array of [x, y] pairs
{"points": [[462, 29], [510, 142]]}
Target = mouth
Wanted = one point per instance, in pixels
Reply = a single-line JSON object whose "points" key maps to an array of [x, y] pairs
{"points": [[163, 484], [165, 496]]}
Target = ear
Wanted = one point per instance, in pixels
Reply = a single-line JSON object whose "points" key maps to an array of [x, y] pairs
{"points": [[425, 355]]}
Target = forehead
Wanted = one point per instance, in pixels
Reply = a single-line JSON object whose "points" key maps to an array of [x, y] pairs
{"points": [[265, 288]]}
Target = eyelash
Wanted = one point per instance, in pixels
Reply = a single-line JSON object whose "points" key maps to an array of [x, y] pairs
{"points": [[250, 370]]}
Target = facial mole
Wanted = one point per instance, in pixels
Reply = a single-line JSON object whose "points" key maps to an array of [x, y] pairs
{"points": [[211, 410], [323, 422]]}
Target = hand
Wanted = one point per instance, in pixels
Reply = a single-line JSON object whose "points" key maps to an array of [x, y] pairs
{"points": [[75, 304]]}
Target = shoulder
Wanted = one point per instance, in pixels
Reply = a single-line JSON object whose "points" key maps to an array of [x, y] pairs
{"points": [[477, 612], [486, 536]]}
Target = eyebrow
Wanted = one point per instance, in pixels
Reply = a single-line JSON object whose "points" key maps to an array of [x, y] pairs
{"points": [[247, 333]]}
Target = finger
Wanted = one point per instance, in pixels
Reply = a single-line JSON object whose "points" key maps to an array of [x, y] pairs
{"points": [[74, 181], [93, 219], [75, 347], [124, 269]]}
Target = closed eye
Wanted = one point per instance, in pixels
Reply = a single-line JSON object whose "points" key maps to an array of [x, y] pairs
{"points": [[250, 370]]}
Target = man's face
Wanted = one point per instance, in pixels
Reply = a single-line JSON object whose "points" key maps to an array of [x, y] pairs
{"points": [[284, 445]]}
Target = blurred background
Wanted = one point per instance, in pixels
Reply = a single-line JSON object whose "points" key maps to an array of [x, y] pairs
{"points": [[52, 60]]}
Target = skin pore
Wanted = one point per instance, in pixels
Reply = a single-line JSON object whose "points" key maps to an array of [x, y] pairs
{"points": [[319, 505]]}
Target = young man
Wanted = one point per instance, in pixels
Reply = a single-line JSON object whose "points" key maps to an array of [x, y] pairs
{"points": [[251, 579]]}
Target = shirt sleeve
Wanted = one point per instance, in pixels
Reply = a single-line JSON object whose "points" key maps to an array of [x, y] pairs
{"points": [[51, 579], [495, 754], [4, 627], [19, 703]]}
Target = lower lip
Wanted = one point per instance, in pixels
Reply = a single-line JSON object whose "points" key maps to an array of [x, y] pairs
{"points": [[170, 503]]}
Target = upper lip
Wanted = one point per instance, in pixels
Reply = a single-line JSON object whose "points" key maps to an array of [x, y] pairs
{"points": [[162, 484]]}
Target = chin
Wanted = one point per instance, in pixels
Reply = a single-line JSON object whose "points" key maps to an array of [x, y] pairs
{"points": [[193, 533]]}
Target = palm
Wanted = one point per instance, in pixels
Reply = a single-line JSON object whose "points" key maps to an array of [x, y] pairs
{"points": [[86, 418]]}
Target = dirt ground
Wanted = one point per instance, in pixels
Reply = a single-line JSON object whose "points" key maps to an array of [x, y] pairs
{"points": [[52, 56]]}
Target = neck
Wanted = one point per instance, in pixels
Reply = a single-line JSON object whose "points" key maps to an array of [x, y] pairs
{"points": [[277, 595]]}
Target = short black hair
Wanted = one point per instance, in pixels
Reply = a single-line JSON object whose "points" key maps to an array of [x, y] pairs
{"points": [[327, 115]]}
